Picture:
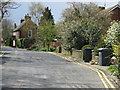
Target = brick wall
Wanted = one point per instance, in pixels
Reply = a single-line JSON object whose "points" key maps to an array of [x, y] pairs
{"points": [[115, 14], [26, 28], [78, 54]]}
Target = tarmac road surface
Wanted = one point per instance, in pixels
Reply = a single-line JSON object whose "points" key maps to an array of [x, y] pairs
{"points": [[31, 69]]}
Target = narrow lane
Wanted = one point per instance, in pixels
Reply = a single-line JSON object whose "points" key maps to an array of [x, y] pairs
{"points": [[30, 69]]}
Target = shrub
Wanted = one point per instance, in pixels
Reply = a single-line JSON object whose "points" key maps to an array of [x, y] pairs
{"points": [[113, 34], [116, 52], [86, 46], [114, 70], [23, 42], [96, 50], [18, 43], [52, 49], [9, 41], [27, 42], [99, 45], [34, 47], [44, 49]]}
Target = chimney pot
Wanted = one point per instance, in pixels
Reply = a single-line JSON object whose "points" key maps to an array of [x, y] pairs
{"points": [[15, 25], [21, 20], [27, 17]]}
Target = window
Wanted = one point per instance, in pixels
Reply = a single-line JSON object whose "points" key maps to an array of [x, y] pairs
{"points": [[30, 33]]}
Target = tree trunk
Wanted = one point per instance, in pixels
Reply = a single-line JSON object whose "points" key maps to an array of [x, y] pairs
{"points": [[71, 51], [44, 44], [48, 46]]}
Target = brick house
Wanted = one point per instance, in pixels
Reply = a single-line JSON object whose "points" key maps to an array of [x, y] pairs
{"points": [[27, 28], [114, 12]]}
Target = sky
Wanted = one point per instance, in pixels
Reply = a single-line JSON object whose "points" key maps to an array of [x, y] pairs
{"points": [[56, 7]]}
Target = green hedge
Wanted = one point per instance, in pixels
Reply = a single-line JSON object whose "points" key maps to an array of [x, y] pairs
{"points": [[34, 47], [52, 49], [86, 46], [18, 43], [25, 42], [28, 42], [37, 48], [9, 41], [44, 49]]}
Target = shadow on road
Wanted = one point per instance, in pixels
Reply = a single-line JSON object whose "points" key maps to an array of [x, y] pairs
{"points": [[4, 59], [6, 53]]}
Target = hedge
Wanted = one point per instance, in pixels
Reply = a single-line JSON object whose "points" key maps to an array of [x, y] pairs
{"points": [[9, 41], [25, 42]]}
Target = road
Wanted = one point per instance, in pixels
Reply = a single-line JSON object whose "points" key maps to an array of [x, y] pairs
{"points": [[31, 69]]}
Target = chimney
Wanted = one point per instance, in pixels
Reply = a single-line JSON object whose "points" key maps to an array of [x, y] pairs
{"points": [[27, 17], [21, 20], [15, 25]]}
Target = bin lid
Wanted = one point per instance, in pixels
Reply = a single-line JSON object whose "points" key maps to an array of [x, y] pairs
{"points": [[101, 49], [88, 48]]}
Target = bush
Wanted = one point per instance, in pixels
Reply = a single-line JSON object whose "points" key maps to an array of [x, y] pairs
{"points": [[113, 34], [86, 46], [25, 42], [34, 47], [18, 43], [37, 48], [100, 45], [114, 70], [28, 42], [44, 49], [52, 49], [9, 41]]}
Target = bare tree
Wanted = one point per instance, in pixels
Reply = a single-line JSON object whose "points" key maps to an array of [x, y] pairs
{"points": [[5, 5], [36, 10], [7, 28]]}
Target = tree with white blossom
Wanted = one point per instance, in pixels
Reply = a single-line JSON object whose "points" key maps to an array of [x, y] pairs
{"points": [[113, 34]]}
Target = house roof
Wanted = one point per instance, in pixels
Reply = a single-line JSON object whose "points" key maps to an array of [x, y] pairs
{"points": [[112, 8], [27, 19], [20, 26]]}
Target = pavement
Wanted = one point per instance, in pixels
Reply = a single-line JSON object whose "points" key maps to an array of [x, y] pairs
{"points": [[112, 78]]}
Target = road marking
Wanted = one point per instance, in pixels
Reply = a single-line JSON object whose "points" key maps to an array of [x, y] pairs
{"points": [[101, 78], [112, 86], [94, 69]]}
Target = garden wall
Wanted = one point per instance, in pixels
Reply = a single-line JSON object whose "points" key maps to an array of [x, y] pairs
{"points": [[79, 54]]}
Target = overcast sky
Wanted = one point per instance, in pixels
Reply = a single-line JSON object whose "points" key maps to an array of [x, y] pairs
{"points": [[55, 6]]}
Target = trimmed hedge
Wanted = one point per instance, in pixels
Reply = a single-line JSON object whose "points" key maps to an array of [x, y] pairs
{"points": [[37, 48], [18, 43], [25, 42], [86, 46], [9, 41]]}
